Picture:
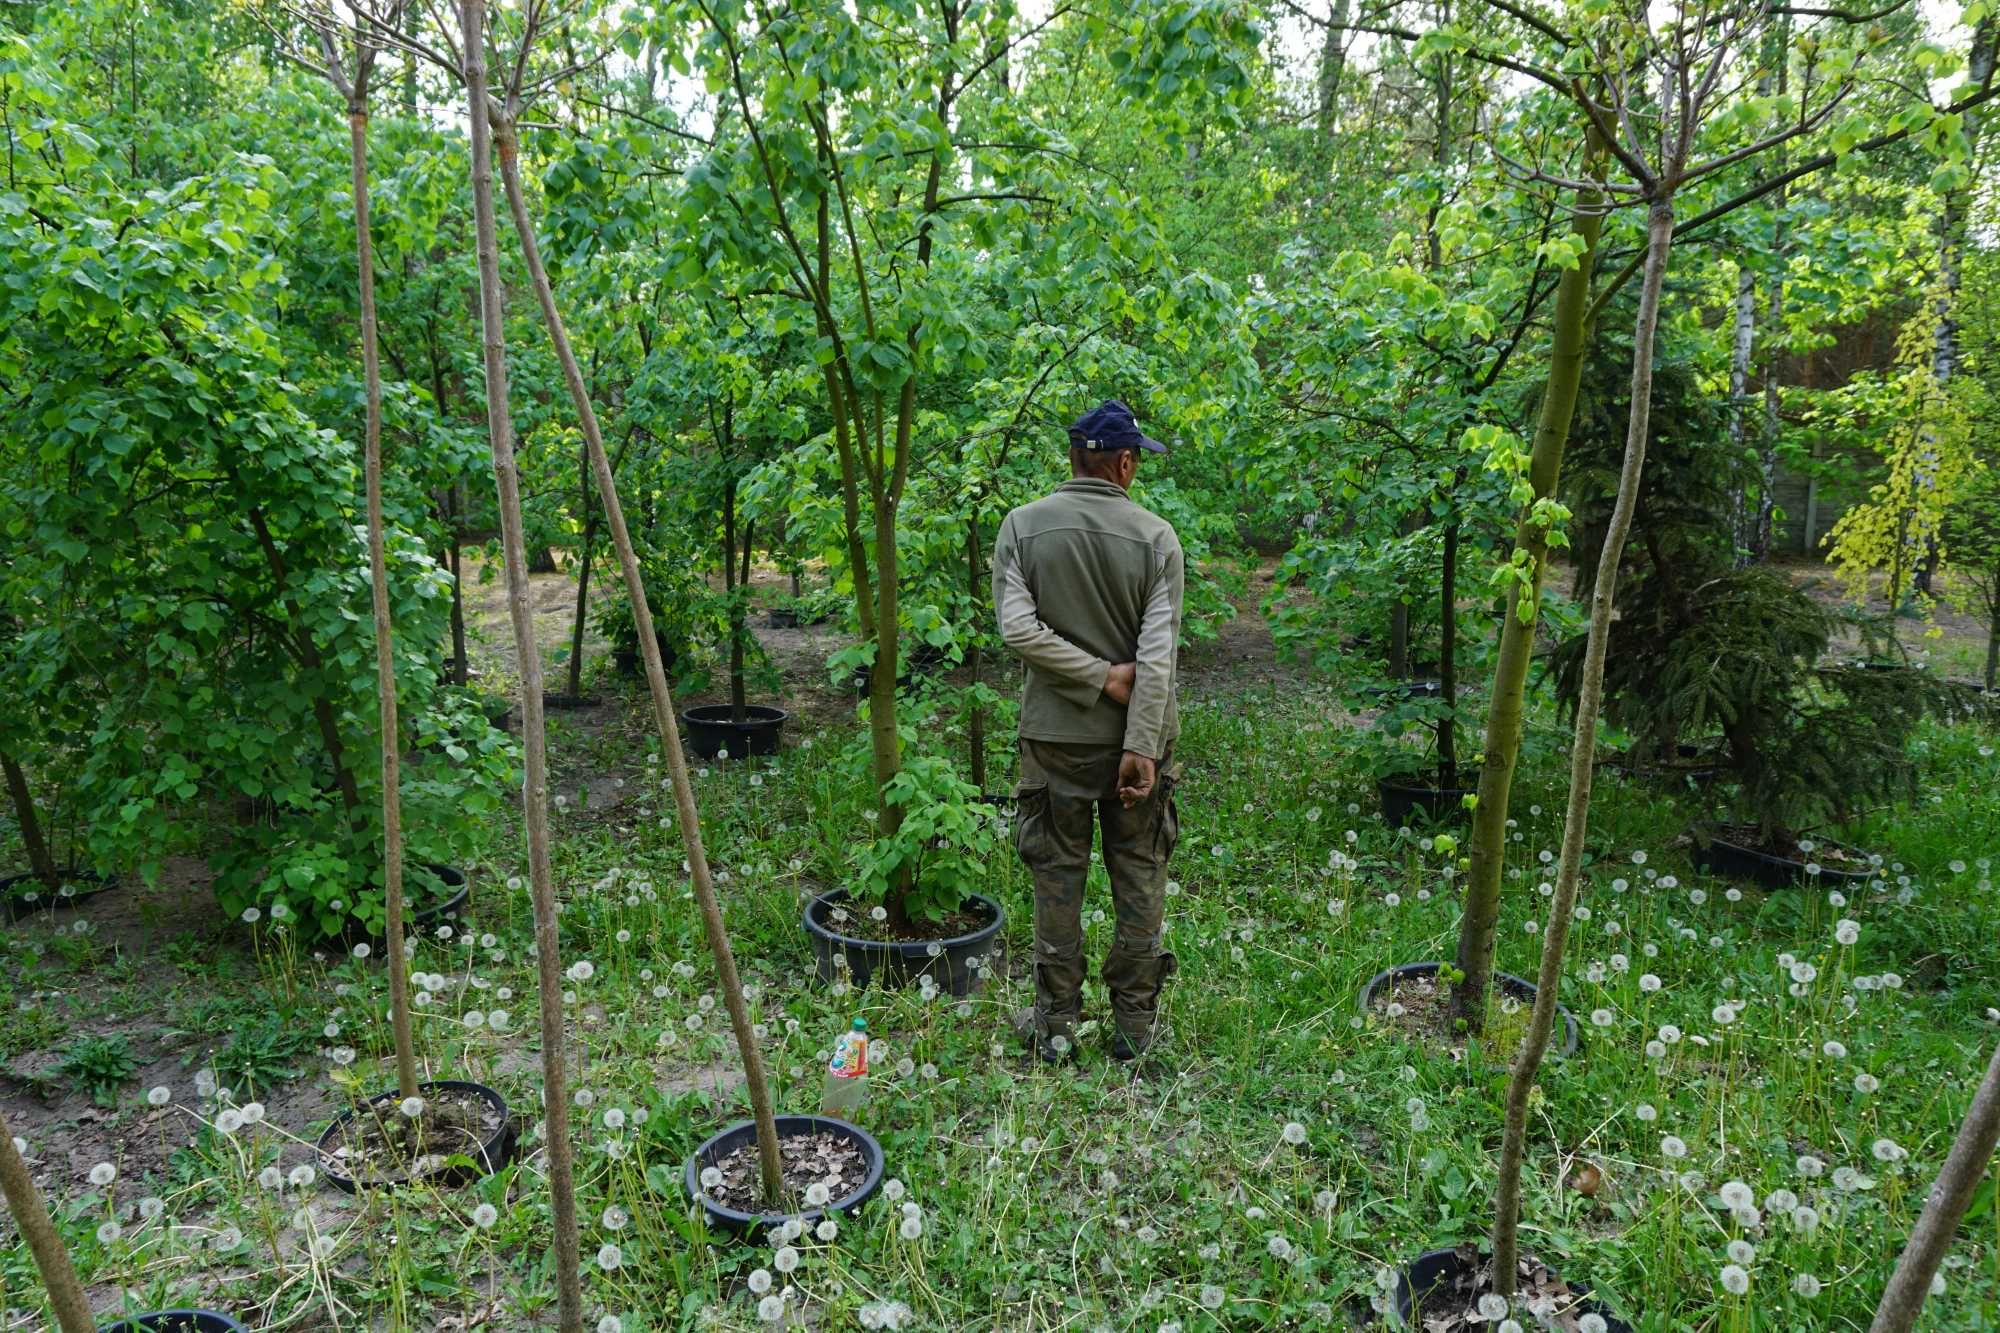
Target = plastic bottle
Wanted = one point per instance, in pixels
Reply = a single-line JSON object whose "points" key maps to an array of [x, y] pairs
{"points": [[846, 1087]]}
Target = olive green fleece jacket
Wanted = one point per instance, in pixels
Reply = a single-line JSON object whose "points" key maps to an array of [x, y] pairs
{"points": [[1083, 578]]}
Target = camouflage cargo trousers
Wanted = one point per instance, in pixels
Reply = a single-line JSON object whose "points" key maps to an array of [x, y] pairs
{"points": [[1064, 791]]}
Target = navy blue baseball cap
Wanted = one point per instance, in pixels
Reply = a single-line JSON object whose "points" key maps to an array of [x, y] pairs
{"points": [[1111, 426]]}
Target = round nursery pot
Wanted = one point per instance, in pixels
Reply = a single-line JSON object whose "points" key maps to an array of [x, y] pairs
{"points": [[950, 962], [1396, 691], [1728, 851], [626, 657], [489, 1145], [499, 712], [1408, 800], [569, 702], [81, 885], [782, 617], [1438, 1273], [1563, 1043], [174, 1321], [750, 1224], [435, 911], [710, 730]]}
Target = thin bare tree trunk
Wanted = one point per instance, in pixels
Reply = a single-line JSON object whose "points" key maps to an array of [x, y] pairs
{"points": [[534, 735], [1964, 1167], [459, 672], [1741, 345], [39, 861], [1447, 726], [1504, 709], [582, 605], [685, 810], [378, 576], [31, 1218], [1582, 755], [1332, 64], [977, 739]]}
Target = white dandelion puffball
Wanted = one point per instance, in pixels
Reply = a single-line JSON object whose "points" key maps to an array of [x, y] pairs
{"points": [[581, 970], [609, 1256], [892, 1189], [817, 1195], [109, 1232], [611, 1323], [229, 1121], [1279, 1248], [411, 1107], [270, 1178], [103, 1174], [614, 1218], [1673, 1147], [301, 1176], [1888, 1150], [1294, 1133], [160, 1096], [1735, 1194], [1735, 1280], [1865, 1082], [786, 1259], [1810, 1167], [1806, 1285], [1846, 930], [760, 1281], [1833, 1050], [1493, 1306], [711, 1176], [1742, 1251], [1646, 1112], [614, 1120], [827, 1229], [1590, 1323], [911, 1228], [771, 1309], [484, 1216]]}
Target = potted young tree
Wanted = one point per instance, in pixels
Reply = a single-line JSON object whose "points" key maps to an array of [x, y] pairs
{"points": [[412, 1132], [45, 886], [787, 1184]]}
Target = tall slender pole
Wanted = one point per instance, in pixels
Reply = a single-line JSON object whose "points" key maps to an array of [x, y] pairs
{"points": [[534, 737], [378, 578], [685, 810], [1583, 751], [31, 1218], [1964, 1167]]}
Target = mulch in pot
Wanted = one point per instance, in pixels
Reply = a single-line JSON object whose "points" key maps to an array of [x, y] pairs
{"points": [[381, 1145], [805, 1160], [1542, 1298]]}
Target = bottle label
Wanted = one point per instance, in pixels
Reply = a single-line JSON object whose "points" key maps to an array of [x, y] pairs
{"points": [[850, 1056]]}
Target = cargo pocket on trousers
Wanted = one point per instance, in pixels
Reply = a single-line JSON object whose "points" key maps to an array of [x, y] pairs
{"points": [[1167, 827], [1031, 821]]}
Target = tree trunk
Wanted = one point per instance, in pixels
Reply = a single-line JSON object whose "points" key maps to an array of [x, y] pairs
{"points": [[1583, 752], [1767, 443], [1964, 1167], [378, 577], [1332, 64], [1447, 726], [1739, 400], [738, 704], [582, 605], [1504, 710], [31, 1218], [459, 672], [1992, 653], [534, 735], [39, 861], [686, 813], [974, 586]]}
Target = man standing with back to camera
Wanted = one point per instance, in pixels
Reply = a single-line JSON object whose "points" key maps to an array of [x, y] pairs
{"points": [[1088, 588]]}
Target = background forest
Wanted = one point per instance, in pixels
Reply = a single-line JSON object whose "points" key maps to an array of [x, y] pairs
{"points": [[1564, 398]]}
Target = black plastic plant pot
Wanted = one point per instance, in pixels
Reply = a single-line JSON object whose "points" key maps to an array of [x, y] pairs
{"points": [[23, 896], [430, 911], [626, 656], [499, 712], [1408, 801], [954, 964], [783, 617], [711, 731], [749, 1226], [1439, 1270], [1565, 1043], [1396, 691], [563, 703], [486, 1154], [1721, 855], [175, 1321]]}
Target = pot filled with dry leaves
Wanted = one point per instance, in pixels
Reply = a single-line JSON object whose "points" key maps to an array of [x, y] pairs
{"points": [[1451, 1291], [829, 1166]]}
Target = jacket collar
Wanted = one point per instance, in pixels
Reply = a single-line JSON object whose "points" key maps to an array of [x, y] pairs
{"points": [[1094, 486]]}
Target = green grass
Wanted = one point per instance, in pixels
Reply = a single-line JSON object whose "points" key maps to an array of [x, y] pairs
{"points": [[1093, 1197]]}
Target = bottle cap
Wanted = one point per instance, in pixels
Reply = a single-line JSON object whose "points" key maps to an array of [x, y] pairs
{"points": [[860, 1025]]}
